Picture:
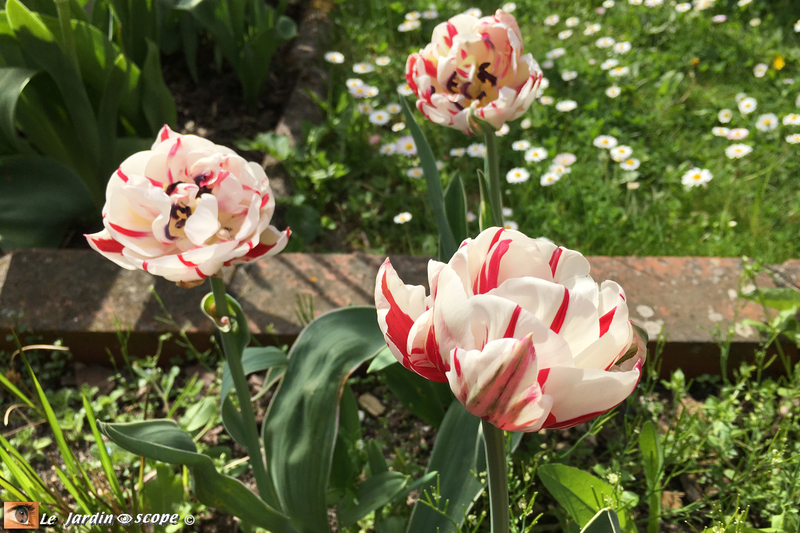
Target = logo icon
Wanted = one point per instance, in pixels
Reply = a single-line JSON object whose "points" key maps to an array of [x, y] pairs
{"points": [[20, 515], [124, 519]]}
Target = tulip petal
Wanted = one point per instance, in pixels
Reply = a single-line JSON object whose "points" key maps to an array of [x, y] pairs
{"points": [[103, 243], [203, 223]]}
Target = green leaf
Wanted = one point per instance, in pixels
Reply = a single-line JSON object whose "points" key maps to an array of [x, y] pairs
{"points": [[605, 521], [458, 452], [581, 494], [435, 195], [41, 46], [164, 493], [254, 359], [108, 114], [300, 428], [777, 298], [163, 440], [12, 82], [199, 414], [382, 360], [105, 460], [349, 423], [238, 326], [455, 207], [285, 28], [157, 102], [391, 524], [417, 393], [377, 462], [372, 494], [232, 420], [652, 454]]}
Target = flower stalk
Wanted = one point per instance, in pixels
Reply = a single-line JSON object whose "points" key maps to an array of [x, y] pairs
{"points": [[497, 476], [492, 173], [233, 356]]}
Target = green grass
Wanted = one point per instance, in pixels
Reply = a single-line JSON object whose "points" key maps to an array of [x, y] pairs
{"points": [[684, 69]]}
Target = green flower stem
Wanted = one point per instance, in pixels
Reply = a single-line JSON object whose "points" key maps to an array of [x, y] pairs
{"points": [[492, 172], [232, 355], [498, 476]]}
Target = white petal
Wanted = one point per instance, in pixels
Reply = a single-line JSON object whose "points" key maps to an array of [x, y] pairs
{"points": [[203, 223]]}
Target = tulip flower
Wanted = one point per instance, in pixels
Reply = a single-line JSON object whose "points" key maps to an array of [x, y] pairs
{"points": [[474, 73], [186, 208], [525, 337]]}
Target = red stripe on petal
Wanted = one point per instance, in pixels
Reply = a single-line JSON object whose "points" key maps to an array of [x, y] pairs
{"points": [[175, 148], [457, 362], [185, 262], [430, 68], [144, 266], [541, 378], [129, 232], [264, 201], [493, 274], [605, 321], [164, 133], [452, 31], [109, 246], [561, 314], [554, 260], [200, 273], [259, 250], [122, 175], [398, 323], [552, 423], [512, 323]]}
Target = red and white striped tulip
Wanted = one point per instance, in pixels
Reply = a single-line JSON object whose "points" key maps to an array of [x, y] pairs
{"points": [[474, 72], [186, 208], [525, 337]]}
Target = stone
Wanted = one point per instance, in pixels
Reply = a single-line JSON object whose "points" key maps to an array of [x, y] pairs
{"points": [[371, 404]]}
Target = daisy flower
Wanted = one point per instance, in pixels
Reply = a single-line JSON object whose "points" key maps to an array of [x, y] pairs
{"points": [[797, 101], [520, 146], [720, 131], [398, 126], [736, 151], [760, 70], [767, 122], [653, 3], [633, 185], [572, 22], [517, 175], [737, 134], [555, 53], [748, 105], [360, 91], [544, 84], [476, 150], [755, 23], [414, 172], [549, 179], [393, 109], [797, 27], [566, 159], [605, 141], [559, 169], [566, 105], [365, 108], [372, 91], [507, 211], [382, 61], [353, 82], [404, 90], [334, 57], [609, 64], [608, 4], [725, 116], [630, 164], [569, 75], [551, 20], [527, 123], [363, 68], [430, 14], [792, 119], [409, 25], [546, 100], [534, 155], [388, 149], [742, 3], [547, 64], [509, 7], [622, 48], [702, 5], [471, 217], [605, 42], [619, 72], [379, 117], [566, 34], [413, 15], [718, 19], [793, 138], [613, 91], [683, 7], [406, 146], [503, 131], [510, 224], [635, 2], [618, 153], [402, 218], [457, 152], [696, 177], [740, 96], [474, 12], [591, 29]]}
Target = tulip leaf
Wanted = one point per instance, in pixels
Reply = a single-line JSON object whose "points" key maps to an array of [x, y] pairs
{"points": [[107, 114], [457, 454], [455, 206], [605, 521], [301, 426], [384, 358], [163, 440], [232, 420], [372, 494], [377, 462], [12, 81], [581, 494], [652, 454], [417, 393], [157, 102], [435, 195], [26, 219], [254, 359]]}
